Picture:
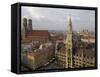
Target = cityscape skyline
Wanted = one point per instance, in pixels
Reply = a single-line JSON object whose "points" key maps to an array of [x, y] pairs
{"points": [[57, 19], [44, 50]]}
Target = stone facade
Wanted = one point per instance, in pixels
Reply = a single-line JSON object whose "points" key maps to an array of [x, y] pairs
{"points": [[75, 53], [35, 59]]}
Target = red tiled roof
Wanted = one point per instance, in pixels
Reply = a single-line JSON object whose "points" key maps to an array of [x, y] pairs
{"points": [[38, 33]]}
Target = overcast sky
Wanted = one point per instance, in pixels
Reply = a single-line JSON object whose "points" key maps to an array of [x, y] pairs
{"points": [[57, 19]]}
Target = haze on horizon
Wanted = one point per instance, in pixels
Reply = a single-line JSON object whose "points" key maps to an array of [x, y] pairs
{"points": [[57, 19]]}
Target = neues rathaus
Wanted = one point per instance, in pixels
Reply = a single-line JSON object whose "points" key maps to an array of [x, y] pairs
{"points": [[74, 52]]}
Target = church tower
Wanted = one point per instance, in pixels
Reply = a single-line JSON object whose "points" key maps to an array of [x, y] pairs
{"points": [[29, 27], [70, 24], [24, 30], [68, 46]]}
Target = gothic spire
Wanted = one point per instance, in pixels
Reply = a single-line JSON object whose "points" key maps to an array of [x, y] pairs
{"points": [[70, 24]]}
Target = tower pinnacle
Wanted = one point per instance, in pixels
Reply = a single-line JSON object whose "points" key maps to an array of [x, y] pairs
{"points": [[70, 24]]}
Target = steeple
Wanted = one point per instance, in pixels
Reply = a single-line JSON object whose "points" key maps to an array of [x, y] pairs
{"points": [[70, 24], [24, 30], [29, 27], [69, 45], [66, 60], [25, 24]]}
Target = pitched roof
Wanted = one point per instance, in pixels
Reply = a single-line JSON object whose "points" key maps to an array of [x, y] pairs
{"points": [[38, 33]]}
